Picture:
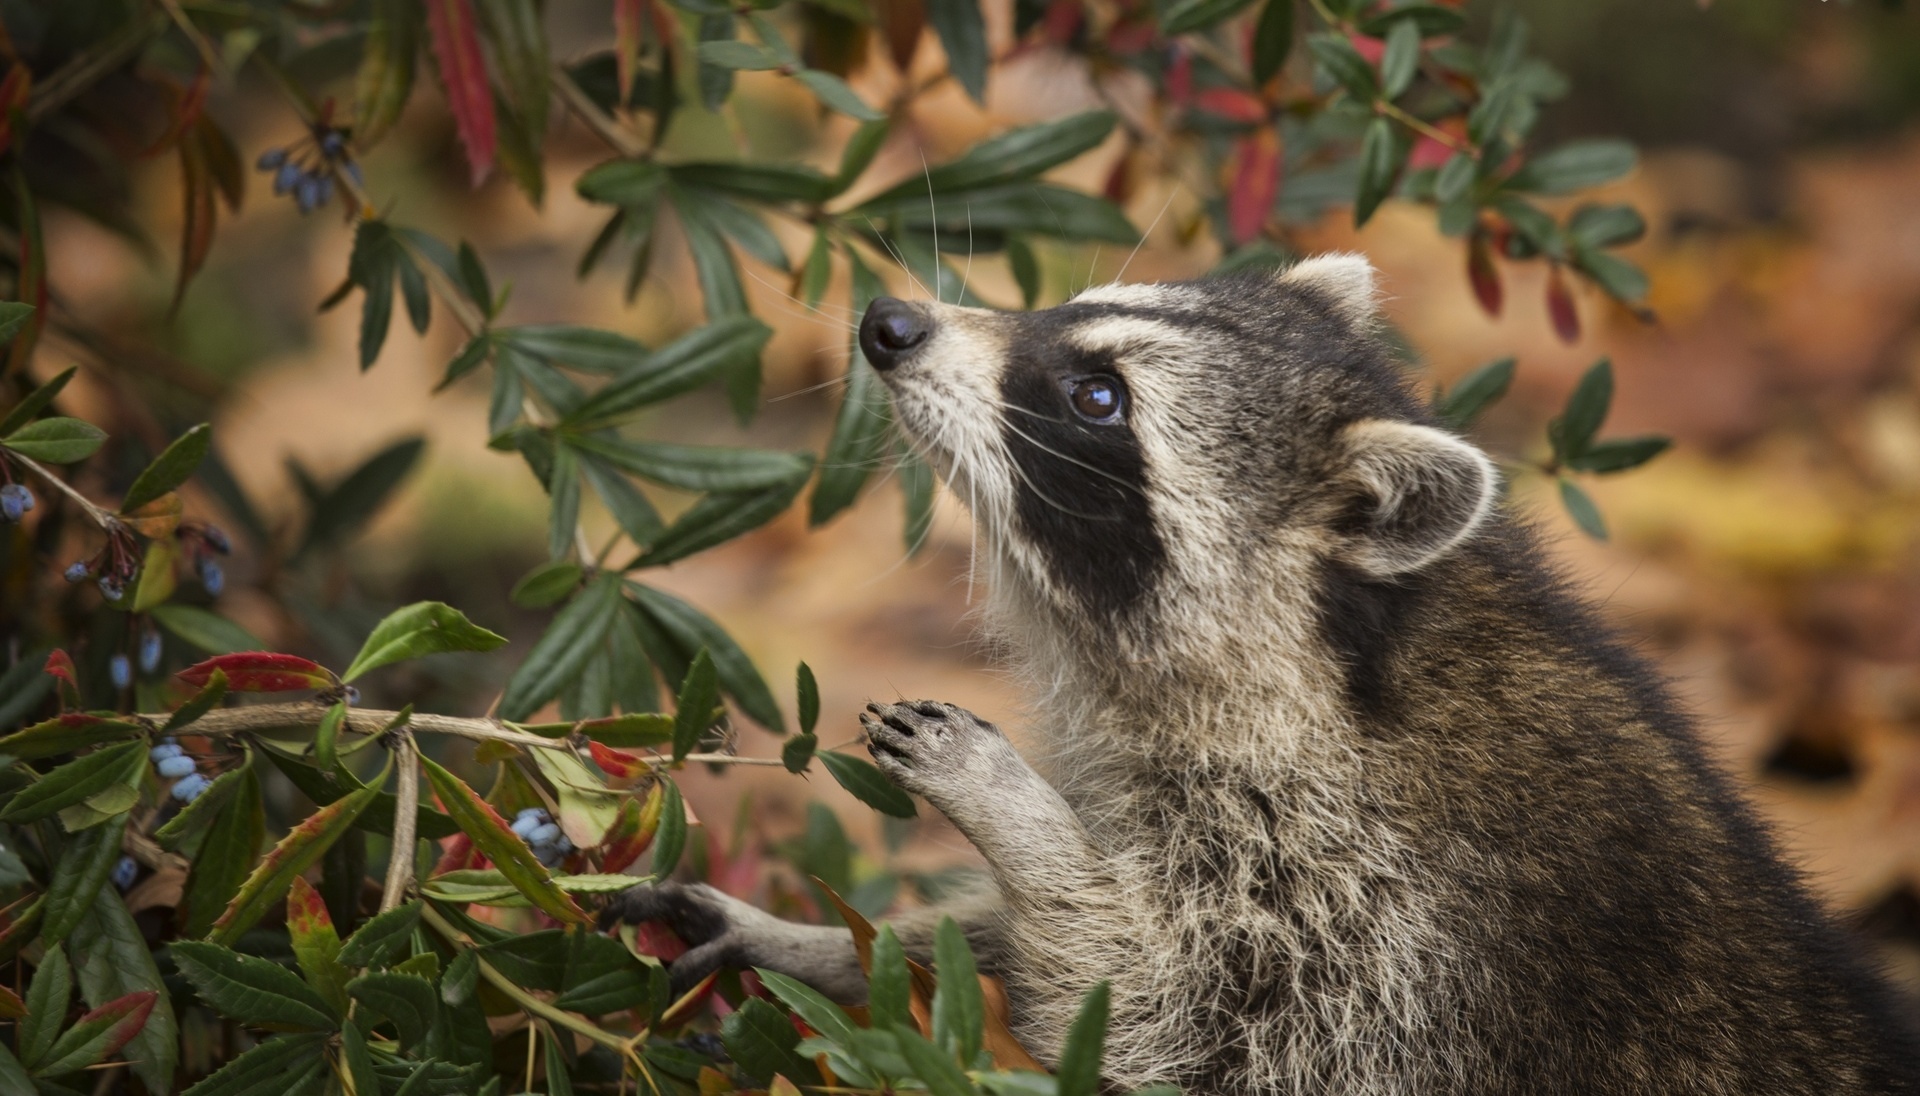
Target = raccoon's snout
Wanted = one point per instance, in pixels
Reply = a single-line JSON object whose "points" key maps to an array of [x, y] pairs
{"points": [[892, 330]]}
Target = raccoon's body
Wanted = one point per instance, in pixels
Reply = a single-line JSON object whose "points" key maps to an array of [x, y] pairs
{"points": [[1343, 792]]}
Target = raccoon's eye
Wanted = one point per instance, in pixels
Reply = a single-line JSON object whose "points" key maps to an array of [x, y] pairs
{"points": [[1097, 399]]}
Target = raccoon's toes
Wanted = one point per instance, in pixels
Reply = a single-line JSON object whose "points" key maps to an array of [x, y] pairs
{"points": [[695, 912], [919, 742]]}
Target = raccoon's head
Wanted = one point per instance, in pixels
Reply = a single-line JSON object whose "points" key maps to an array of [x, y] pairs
{"points": [[1155, 465]]}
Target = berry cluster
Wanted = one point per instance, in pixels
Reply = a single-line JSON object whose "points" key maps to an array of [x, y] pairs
{"points": [[542, 834], [306, 168], [120, 667], [172, 763], [15, 501], [203, 543], [112, 567]]}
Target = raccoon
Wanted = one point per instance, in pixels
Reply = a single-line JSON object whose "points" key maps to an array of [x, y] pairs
{"points": [[1336, 783]]}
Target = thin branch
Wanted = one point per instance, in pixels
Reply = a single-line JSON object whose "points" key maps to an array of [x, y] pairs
{"points": [[597, 120], [89, 68], [105, 518], [406, 821]]}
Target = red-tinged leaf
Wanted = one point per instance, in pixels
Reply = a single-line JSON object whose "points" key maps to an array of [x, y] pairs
{"points": [[1483, 275], [1566, 319], [629, 34], [1371, 49], [623, 769], [903, 21], [316, 945], [295, 853], [14, 91], [98, 1034], [463, 75], [156, 519], [689, 1004], [1062, 21], [458, 854], [199, 195], [478, 820], [1119, 185], [1179, 76], [1256, 179], [129, 1015], [11, 1006], [60, 665], [655, 939], [260, 672], [64, 734], [1232, 104], [631, 833]]}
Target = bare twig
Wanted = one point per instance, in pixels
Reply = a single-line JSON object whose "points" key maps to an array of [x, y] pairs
{"points": [[104, 518], [595, 119], [406, 821]]}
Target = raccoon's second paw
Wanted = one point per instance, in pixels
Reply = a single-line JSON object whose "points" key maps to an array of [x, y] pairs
{"points": [[941, 751]]}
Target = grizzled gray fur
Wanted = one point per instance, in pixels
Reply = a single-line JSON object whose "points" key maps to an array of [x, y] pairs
{"points": [[1336, 783]]}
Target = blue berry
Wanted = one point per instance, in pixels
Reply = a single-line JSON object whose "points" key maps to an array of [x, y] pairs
{"points": [[523, 828], [287, 177], [351, 695], [124, 872], [531, 812], [165, 750], [562, 845], [271, 159], [15, 501], [322, 191], [216, 540], [78, 571], [120, 669], [175, 767], [212, 577], [543, 834], [112, 588], [306, 193], [189, 787], [332, 144], [149, 651]]}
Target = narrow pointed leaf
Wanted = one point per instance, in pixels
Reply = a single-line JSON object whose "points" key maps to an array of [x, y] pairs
{"points": [[171, 468], [252, 991], [868, 785], [463, 75], [478, 820], [423, 628], [295, 853]]}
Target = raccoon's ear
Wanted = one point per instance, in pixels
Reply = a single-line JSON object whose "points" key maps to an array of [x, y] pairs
{"points": [[1344, 278], [1422, 492]]}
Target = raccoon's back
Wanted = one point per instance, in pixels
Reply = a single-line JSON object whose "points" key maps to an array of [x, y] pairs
{"points": [[1629, 925]]}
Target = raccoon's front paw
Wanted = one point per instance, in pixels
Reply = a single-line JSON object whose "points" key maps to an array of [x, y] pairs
{"points": [[940, 751]]}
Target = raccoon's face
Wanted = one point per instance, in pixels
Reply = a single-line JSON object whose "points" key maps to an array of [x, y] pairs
{"points": [[1188, 441]]}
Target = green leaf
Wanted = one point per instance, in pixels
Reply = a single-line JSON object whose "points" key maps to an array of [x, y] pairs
{"points": [[515, 29], [1013, 156], [98, 1033], [13, 1078], [1576, 165], [1382, 153], [691, 630], [371, 267], [226, 854], [985, 214], [76, 781], [698, 467], [316, 946], [63, 733], [423, 628], [693, 711], [200, 813], [888, 992], [37, 400], [1581, 509], [864, 420], [252, 991], [963, 35], [1187, 16], [629, 508], [1401, 61], [916, 490], [1620, 454], [358, 1063], [55, 440], [1339, 60], [671, 838], [268, 1069], [386, 71], [199, 704], [1272, 40], [1078, 1073], [48, 997], [205, 629], [406, 999], [796, 753], [478, 820], [1596, 226], [680, 366], [834, 94], [760, 1040], [868, 785], [342, 511], [1621, 279], [1456, 176], [817, 271], [1474, 393], [808, 691], [114, 960], [731, 54], [587, 349], [622, 182], [1586, 410], [1025, 269], [546, 584], [12, 315], [932, 1065], [383, 938], [85, 862], [959, 1011], [561, 654], [298, 851], [718, 518], [1429, 20], [817, 1011]]}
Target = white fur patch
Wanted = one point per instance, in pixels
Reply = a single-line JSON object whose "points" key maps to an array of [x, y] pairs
{"points": [[1346, 277]]}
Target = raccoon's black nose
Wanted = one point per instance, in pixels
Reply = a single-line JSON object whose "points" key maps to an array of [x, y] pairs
{"points": [[891, 330]]}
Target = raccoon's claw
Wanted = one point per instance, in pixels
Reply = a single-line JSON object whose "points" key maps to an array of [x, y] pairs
{"points": [[701, 916], [922, 745]]}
